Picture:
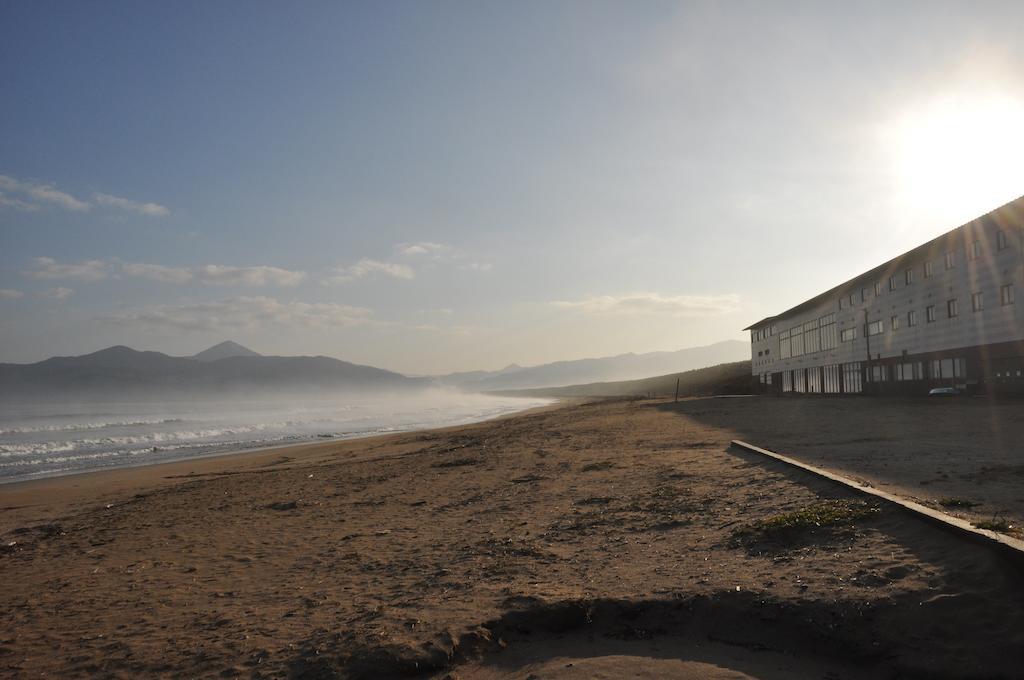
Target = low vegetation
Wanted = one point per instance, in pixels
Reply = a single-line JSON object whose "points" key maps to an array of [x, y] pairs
{"points": [[997, 524], [796, 524]]}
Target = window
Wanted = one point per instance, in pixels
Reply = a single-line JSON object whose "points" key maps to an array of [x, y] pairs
{"points": [[812, 341], [784, 347], [892, 282], [977, 301], [1006, 294], [1001, 241], [927, 270], [863, 294], [876, 328], [975, 252], [852, 378], [853, 299], [929, 313], [912, 318], [953, 308], [814, 380], [796, 340], [787, 381], [894, 323], [848, 335], [908, 276], [910, 371], [950, 260], [878, 288], [879, 373], [842, 303], [800, 380], [831, 384], [828, 331], [944, 369]]}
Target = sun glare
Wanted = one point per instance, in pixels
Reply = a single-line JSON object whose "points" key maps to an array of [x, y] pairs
{"points": [[959, 156]]}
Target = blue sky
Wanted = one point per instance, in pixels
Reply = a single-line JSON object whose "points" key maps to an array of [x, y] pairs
{"points": [[441, 186]]}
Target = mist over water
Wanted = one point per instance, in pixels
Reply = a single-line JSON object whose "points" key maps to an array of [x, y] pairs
{"points": [[44, 439]]}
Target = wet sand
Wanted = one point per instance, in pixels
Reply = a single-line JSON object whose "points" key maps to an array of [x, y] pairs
{"points": [[602, 539]]}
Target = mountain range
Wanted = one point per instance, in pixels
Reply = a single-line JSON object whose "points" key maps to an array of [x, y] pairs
{"points": [[606, 369], [123, 372]]}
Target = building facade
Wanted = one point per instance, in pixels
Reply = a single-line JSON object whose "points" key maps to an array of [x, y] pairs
{"points": [[946, 313]]}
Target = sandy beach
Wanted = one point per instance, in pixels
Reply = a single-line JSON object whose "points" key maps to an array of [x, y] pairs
{"points": [[618, 538]]}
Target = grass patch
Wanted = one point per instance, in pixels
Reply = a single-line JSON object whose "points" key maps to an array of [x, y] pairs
{"points": [[958, 503], [995, 524], [798, 523]]}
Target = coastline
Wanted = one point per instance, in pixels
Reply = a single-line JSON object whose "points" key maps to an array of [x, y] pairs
{"points": [[610, 535], [65, 491]]}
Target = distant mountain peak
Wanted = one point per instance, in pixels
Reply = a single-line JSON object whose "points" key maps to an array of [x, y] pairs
{"points": [[224, 350]]}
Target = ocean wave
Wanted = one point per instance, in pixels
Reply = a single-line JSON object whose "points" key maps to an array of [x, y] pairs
{"points": [[99, 441], [71, 427]]}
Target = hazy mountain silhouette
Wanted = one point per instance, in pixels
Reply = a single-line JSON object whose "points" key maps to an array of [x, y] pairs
{"points": [[121, 371], [223, 351], [621, 367], [731, 378]]}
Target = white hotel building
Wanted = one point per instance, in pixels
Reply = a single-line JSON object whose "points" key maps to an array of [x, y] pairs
{"points": [[946, 313]]}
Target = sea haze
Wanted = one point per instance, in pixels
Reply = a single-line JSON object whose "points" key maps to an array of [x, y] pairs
{"points": [[46, 438]]}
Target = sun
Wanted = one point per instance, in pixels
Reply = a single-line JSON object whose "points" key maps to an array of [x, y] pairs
{"points": [[958, 156]]}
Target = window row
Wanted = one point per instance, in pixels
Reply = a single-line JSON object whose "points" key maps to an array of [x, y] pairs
{"points": [[1007, 296], [762, 333], [974, 251], [808, 338], [827, 379]]}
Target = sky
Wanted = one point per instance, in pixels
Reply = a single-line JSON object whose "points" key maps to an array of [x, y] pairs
{"points": [[439, 186]]}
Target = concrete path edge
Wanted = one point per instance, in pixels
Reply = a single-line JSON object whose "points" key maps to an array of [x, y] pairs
{"points": [[1007, 545]]}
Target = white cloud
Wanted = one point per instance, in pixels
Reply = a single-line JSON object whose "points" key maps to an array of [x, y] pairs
{"points": [[58, 293], [48, 268], [158, 272], [16, 203], [10, 294], [43, 192], [214, 274], [421, 248], [249, 276], [246, 313], [654, 304], [365, 267], [47, 193], [150, 209], [437, 253]]}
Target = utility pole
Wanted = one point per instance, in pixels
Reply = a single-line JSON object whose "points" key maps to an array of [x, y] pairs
{"points": [[677, 389], [867, 341]]}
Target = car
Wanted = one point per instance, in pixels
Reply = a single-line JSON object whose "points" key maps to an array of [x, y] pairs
{"points": [[943, 392]]}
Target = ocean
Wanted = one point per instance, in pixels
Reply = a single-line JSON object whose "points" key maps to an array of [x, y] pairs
{"points": [[40, 440]]}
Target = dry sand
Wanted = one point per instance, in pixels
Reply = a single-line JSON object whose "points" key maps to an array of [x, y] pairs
{"points": [[595, 540]]}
